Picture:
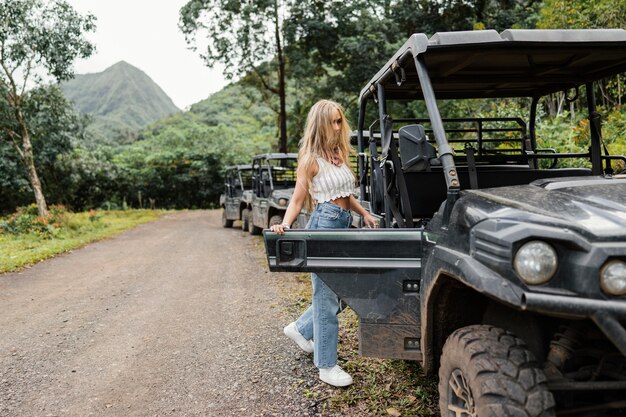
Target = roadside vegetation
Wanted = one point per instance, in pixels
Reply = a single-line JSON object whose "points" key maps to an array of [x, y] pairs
{"points": [[382, 387], [329, 50], [27, 238]]}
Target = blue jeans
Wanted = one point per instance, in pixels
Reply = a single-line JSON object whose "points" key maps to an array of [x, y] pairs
{"points": [[319, 321]]}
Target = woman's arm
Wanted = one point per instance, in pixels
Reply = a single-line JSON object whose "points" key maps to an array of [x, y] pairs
{"points": [[368, 219]]}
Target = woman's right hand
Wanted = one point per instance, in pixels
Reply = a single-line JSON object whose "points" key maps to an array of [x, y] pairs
{"points": [[370, 221]]}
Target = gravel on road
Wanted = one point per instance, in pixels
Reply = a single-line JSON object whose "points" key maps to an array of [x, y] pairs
{"points": [[176, 317]]}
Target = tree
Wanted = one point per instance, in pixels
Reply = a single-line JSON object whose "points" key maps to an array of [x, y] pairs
{"points": [[339, 46], [247, 37], [38, 39], [56, 128], [583, 14]]}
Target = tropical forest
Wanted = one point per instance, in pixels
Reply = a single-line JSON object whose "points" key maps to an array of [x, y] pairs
{"points": [[93, 143]]}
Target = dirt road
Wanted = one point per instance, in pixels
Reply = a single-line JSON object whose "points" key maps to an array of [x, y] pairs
{"points": [[177, 317]]}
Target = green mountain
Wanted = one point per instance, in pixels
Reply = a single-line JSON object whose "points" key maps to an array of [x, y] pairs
{"points": [[121, 100]]}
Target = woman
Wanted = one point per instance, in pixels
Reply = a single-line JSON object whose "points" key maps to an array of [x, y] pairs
{"points": [[324, 177]]}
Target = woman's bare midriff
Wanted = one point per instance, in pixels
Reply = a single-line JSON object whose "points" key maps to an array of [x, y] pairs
{"points": [[343, 202]]}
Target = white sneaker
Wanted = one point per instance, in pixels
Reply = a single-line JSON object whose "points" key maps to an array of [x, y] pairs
{"points": [[335, 376], [291, 331]]}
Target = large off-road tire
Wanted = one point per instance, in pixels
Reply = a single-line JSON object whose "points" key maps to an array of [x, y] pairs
{"points": [[252, 228], [245, 219], [275, 219], [225, 221], [487, 371]]}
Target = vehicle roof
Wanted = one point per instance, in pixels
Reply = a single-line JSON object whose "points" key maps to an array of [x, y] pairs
{"points": [[514, 63], [276, 156], [239, 167]]}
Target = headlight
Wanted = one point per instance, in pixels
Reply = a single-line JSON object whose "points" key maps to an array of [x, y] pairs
{"points": [[282, 202], [535, 262], [613, 277]]}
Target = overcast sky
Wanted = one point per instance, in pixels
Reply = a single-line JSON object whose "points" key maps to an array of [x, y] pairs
{"points": [[145, 34]]}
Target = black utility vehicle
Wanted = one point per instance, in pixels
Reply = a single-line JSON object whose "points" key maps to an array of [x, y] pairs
{"points": [[273, 180], [238, 180], [500, 265]]}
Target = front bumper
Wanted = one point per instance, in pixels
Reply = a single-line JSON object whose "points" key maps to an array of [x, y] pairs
{"points": [[606, 314], [609, 315]]}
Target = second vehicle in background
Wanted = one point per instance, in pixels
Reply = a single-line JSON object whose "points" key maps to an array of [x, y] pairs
{"points": [[273, 182], [235, 199]]}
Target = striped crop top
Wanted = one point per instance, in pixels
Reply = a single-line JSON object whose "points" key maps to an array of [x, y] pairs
{"points": [[331, 181]]}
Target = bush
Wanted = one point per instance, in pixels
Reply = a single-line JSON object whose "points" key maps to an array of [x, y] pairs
{"points": [[26, 220], [557, 133]]}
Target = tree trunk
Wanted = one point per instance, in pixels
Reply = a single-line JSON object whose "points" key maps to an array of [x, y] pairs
{"points": [[29, 161], [282, 114], [551, 104]]}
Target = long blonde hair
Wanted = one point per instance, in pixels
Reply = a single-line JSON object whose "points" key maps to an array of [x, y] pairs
{"points": [[321, 140]]}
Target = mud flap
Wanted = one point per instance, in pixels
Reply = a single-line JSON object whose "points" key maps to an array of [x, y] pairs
{"points": [[375, 272]]}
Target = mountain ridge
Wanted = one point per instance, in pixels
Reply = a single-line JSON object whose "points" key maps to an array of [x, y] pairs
{"points": [[121, 99]]}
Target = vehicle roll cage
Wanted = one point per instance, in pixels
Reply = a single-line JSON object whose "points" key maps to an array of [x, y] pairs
{"points": [[242, 184], [261, 163], [535, 72]]}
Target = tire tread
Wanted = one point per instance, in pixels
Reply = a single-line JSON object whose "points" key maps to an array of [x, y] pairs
{"points": [[509, 380]]}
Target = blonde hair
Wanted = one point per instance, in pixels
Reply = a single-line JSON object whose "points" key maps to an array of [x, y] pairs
{"points": [[320, 139]]}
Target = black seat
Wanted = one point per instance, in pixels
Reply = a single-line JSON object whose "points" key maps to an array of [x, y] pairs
{"points": [[416, 153]]}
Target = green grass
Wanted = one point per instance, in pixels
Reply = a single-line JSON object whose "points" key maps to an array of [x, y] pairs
{"points": [[18, 251], [383, 387]]}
